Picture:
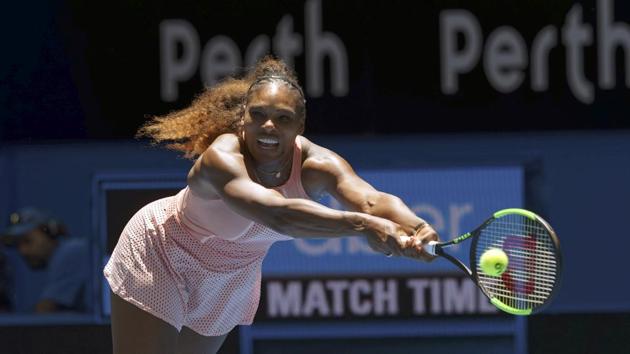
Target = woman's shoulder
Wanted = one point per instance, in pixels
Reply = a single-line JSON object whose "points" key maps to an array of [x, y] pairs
{"points": [[318, 159], [316, 153], [228, 142], [320, 168], [226, 147], [311, 149]]}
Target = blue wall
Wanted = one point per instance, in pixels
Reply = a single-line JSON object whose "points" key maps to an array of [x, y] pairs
{"points": [[579, 181]]}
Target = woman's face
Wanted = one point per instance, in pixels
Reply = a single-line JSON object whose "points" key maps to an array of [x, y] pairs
{"points": [[272, 121]]}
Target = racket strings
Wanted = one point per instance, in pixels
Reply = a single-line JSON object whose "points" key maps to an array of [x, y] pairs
{"points": [[532, 268]]}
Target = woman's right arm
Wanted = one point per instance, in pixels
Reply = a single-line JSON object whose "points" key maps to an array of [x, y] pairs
{"points": [[221, 171]]}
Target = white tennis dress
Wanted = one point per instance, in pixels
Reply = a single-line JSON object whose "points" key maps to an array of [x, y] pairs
{"points": [[194, 262]]}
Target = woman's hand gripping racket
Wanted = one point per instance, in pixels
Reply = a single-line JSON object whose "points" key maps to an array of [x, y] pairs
{"points": [[532, 275]]}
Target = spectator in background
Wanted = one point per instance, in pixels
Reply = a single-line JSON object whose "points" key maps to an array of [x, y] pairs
{"points": [[42, 242]]}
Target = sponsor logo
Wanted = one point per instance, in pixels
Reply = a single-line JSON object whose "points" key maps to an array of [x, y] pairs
{"points": [[182, 56], [506, 58]]}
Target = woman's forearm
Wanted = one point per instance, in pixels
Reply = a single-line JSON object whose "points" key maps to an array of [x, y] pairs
{"points": [[302, 217]]}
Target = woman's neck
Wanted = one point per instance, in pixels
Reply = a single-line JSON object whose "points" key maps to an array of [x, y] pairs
{"points": [[272, 173]]}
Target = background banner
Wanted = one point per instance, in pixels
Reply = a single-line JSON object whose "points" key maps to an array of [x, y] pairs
{"points": [[366, 67]]}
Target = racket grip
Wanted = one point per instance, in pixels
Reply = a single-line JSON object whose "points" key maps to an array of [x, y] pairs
{"points": [[429, 247]]}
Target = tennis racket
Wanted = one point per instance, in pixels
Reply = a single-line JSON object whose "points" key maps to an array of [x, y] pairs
{"points": [[534, 260]]}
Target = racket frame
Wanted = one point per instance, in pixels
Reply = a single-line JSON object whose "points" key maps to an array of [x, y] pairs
{"points": [[437, 249]]}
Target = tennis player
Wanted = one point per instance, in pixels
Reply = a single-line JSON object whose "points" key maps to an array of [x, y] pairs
{"points": [[187, 268]]}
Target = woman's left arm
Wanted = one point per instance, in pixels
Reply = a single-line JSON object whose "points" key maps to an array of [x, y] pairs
{"points": [[325, 171]]}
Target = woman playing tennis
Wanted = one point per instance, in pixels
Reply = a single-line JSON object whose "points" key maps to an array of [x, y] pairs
{"points": [[187, 268]]}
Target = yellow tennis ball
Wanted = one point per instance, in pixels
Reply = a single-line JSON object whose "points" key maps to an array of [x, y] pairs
{"points": [[493, 262]]}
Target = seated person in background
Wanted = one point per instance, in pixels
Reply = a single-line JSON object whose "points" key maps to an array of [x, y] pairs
{"points": [[42, 242]]}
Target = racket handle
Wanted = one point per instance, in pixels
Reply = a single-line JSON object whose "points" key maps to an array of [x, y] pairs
{"points": [[429, 247]]}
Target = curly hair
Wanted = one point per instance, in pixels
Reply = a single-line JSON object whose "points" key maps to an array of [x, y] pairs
{"points": [[217, 110]]}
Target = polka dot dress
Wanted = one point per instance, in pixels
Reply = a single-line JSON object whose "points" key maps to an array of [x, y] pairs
{"points": [[208, 284]]}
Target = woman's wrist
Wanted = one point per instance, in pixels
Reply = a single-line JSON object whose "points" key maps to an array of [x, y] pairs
{"points": [[420, 226]]}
